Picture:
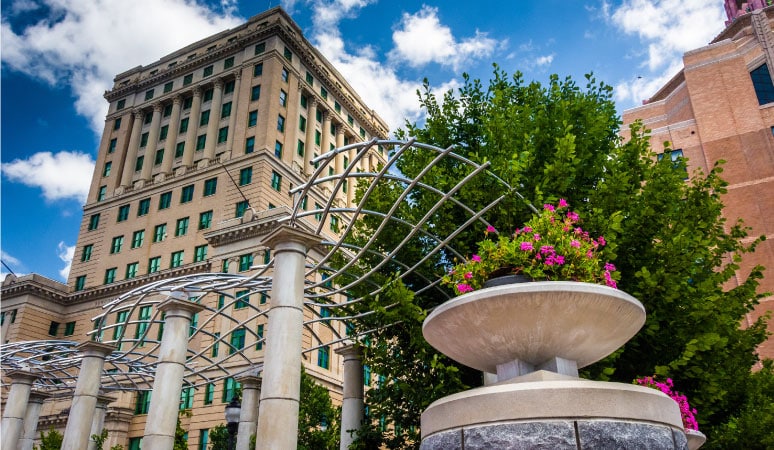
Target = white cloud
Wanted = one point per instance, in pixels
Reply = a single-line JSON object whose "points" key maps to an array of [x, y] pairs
{"points": [[11, 262], [545, 60], [22, 6], [666, 34], [63, 175], [65, 253], [85, 43], [421, 39]]}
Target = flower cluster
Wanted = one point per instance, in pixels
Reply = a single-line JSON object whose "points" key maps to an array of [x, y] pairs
{"points": [[688, 413], [551, 246]]}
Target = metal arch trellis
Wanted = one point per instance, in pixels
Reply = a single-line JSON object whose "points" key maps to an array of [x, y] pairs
{"points": [[227, 332]]}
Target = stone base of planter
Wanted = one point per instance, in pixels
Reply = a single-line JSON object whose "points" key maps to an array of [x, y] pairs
{"points": [[554, 414]]}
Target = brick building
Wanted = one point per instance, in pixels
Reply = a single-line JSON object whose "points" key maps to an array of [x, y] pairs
{"points": [[720, 106]]}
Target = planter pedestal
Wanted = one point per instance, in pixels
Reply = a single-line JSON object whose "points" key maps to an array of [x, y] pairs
{"points": [[516, 330]]}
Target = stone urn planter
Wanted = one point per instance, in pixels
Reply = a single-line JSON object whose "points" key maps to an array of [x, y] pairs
{"points": [[695, 439], [534, 337]]}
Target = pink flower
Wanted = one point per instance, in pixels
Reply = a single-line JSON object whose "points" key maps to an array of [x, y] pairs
{"points": [[526, 246], [475, 258], [602, 241], [527, 230], [574, 243], [589, 254], [610, 281], [462, 288], [609, 267], [547, 250], [536, 236], [549, 207], [573, 216], [563, 203], [469, 275], [490, 229]]}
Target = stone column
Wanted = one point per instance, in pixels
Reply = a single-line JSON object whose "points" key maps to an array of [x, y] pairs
{"points": [[278, 416], [153, 141], [311, 119], [76, 435], [131, 153], [31, 419], [325, 145], [214, 123], [193, 127], [165, 401], [169, 144], [353, 406], [6, 325], [98, 422], [232, 118], [248, 417], [352, 181], [16, 407]]}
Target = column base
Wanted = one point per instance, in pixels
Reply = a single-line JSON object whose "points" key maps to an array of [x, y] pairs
{"points": [[554, 414]]}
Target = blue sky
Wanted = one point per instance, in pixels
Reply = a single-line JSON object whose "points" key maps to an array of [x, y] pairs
{"points": [[59, 56]]}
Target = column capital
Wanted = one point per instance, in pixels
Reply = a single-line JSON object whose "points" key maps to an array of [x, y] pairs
{"points": [[238, 74], [93, 348], [350, 350], [312, 101], [176, 304], [219, 83], [138, 113], [197, 91], [157, 107], [177, 100], [340, 129], [103, 400], [286, 233], [37, 396], [23, 376], [249, 381]]}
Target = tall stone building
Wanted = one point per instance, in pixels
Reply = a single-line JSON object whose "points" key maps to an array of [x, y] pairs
{"points": [[197, 157], [720, 106]]}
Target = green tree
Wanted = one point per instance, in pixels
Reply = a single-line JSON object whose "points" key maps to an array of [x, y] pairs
{"points": [[181, 435], [219, 437], [50, 441], [99, 439], [670, 242], [318, 419]]}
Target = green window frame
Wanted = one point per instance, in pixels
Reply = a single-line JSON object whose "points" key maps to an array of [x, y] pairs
{"points": [[188, 79], [106, 169], [142, 403], [110, 275], [260, 48], [186, 194], [143, 324], [116, 244], [138, 163], [179, 149], [138, 238], [237, 340], [210, 186], [249, 145], [278, 149], [252, 118], [228, 87], [288, 55], [280, 123], [317, 137], [186, 398], [86, 252], [207, 71], [200, 253], [163, 132], [222, 135], [184, 125], [215, 342], [168, 86], [117, 124], [301, 123], [209, 393], [132, 269], [258, 70], [148, 94], [120, 104], [112, 145], [177, 259], [323, 92], [241, 207], [201, 142], [165, 200], [225, 110], [337, 106], [154, 264], [259, 333], [102, 193], [181, 227], [300, 148], [255, 93], [69, 329], [207, 95], [324, 357], [228, 63], [123, 213], [205, 220], [144, 139], [285, 74], [245, 262], [242, 299], [53, 328], [204, 119], [276, 181], [80, 283], [158, 157], [93, 222], [159, 232], [230, 387], [245, 176], [309, 78], [143, 207]]}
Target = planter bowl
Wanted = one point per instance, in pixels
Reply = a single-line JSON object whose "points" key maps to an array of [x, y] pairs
{"points": [[534, 322]]}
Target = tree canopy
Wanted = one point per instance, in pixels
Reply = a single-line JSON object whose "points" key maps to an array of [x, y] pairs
{"points": [[676, 252]]}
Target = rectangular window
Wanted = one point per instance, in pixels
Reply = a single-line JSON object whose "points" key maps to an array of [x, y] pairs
{"points": [[300, 148], [228, 63], [245, 176], [255, 93], [138, 238], [288, 54], [138, 163], [318, 207], [200, 253], [117, 124], [241, 207], [317, 137], [362, 133], [143, 207], [216, 340], [228, 87], [110, 275], [324, 93], [154, 264], [280, 123], [350, 120], [131, 270], [186, 195], [318, 115], [53, 328], [260, 48], [177, 259], [285, 75], [337, 106], [278, 149], [263, 299], [304, 202], [764, 89], [252, 118], [237, 341], [309, 78], [210, 186], [168, 87], [160, 232], [179, 149], [106, 169], [163, 132], [188, 79], [194, 323], [283, 98], [207, 71], [267, 256], [112, 145], [102, 193], [182, 227], [225, 110], [323, 357], [204, 119], [143, 324], [143, 403], [222, 135], [159, 157], [186, 398], [115, 246], [249, 145], [201, 141], [258, 70], [230, 387], [245, 262], [148, 94], [86, 252], [334, 224], [135, 443], [184, 125], [259, 332], [93, 222], [242, 299], [120, 104], [303, 101], [165, 200], [69, 329], [276, 181], [207, 96], [204, 439], [209, 393], [205, 220]]}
